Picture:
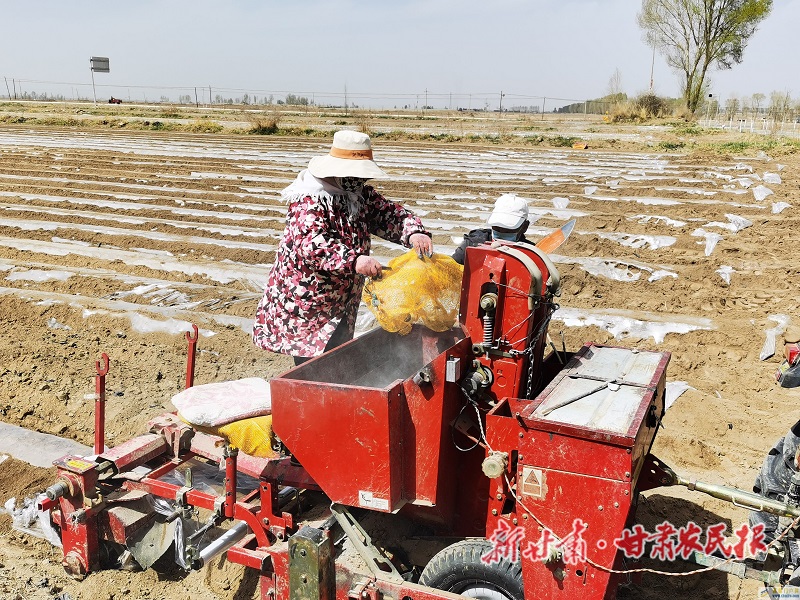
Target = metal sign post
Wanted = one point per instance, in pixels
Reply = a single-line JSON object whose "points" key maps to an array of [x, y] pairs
{"points": [[99, 64]]}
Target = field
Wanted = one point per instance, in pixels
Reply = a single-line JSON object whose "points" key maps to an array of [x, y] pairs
{"points": [[117, 239]]}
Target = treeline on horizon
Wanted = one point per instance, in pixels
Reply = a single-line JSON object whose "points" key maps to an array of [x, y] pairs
{"points": [[778, 106]]}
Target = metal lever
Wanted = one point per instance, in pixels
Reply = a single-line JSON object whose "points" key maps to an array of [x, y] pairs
{"points": [[380, 566], [567, 401], [191, 338], [100, 405]]}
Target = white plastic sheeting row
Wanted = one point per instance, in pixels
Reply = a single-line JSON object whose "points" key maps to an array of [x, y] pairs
{"points": [[488, 171]]}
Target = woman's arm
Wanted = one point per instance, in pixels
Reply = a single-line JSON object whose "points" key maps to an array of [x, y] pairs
{"points": [[391, 221]]}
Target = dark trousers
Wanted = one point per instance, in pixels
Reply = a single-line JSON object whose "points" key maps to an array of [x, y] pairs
{"points": [[340, 335]]}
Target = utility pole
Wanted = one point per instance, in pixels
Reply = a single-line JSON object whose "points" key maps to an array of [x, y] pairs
{"points": [[501, 103], [209, 95], [543, 101], [652, 66], [424, 106], [196, 101], [7, 88]]}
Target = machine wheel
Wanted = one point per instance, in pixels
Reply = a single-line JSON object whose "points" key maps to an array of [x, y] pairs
{"points": [[459, 569]]}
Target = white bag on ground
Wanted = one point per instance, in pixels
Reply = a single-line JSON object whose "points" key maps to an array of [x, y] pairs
{"points": [[214, 404]]}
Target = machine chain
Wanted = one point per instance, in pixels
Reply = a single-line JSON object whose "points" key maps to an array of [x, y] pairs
{"points": [[553, 307]]}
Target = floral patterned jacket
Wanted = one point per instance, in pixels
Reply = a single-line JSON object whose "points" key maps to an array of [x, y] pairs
{"points": [[313, 284]]}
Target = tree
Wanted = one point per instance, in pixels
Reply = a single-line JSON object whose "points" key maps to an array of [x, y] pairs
{"points": [[780, 103], [615, 87], [694, 35], [747, 106], [297, 100], [732, 107], [758, 98]]}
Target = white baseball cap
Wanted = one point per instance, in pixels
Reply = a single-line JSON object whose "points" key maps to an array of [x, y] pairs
{"points": [[350, 156], [510, 212]]}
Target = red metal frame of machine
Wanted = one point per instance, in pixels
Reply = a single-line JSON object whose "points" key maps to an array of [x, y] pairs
{"points": [[393, 444]]}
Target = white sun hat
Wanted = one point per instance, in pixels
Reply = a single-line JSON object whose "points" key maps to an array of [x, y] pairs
{"points": [[510, 212], [350, 156]]}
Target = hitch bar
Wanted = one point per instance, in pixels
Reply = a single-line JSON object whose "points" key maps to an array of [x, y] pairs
{"points": [[656, 474]]}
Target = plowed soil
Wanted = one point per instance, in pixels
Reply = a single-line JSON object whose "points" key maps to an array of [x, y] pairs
{"points": [[116, 242]]}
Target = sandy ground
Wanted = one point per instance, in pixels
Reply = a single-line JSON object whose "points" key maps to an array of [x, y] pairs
{"points": [[55, 326]]}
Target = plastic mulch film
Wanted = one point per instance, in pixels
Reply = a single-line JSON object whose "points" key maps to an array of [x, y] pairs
{"points": [[415, 290], [28, 519], [783, 321]]}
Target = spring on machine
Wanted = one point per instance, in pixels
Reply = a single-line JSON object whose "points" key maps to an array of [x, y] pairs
{"points": [[488, 328]]}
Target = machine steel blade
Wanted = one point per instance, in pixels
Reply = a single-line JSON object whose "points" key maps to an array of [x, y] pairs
{"points": [[150, 543], [553, 240]]}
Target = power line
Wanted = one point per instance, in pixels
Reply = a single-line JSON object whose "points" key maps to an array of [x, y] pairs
{"points": [[465, 97]]}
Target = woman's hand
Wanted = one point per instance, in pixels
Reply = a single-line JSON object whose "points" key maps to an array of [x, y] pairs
{"points": [[368, 266], [422, 244]]}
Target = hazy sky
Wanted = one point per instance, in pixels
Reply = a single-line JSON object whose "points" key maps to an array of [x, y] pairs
{"points": [[384, 53]]}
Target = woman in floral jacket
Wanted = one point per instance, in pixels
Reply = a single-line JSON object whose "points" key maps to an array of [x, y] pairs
{"points": [[314, 289]]}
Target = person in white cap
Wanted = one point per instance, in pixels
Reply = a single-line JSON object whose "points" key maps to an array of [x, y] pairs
{"points": [[507, 223], [314, 288]]}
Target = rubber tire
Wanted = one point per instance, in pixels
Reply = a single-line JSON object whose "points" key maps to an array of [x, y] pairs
{"points": [[456, 567]]}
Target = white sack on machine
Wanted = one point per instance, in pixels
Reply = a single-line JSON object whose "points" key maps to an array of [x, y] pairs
{"points": [[215, 404]]}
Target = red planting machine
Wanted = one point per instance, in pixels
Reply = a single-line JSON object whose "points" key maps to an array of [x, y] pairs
{"points": [[481, 461]]}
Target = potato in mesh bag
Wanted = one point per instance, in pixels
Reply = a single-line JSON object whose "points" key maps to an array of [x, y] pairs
{"points": [[416, 290]]}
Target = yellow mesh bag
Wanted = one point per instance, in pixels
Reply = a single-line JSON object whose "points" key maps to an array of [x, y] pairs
{"points": [[414, 290], [252, 436]]}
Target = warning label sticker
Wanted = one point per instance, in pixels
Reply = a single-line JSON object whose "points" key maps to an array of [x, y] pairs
{"points": [[78, 464], [533, 482], [370, 501]]}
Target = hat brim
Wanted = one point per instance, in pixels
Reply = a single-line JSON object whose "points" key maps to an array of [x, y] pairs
{"points": [[330, 166], [505, 220]]}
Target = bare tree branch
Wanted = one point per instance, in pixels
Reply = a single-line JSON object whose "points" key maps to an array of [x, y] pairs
{"points": [[695, 35]]}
